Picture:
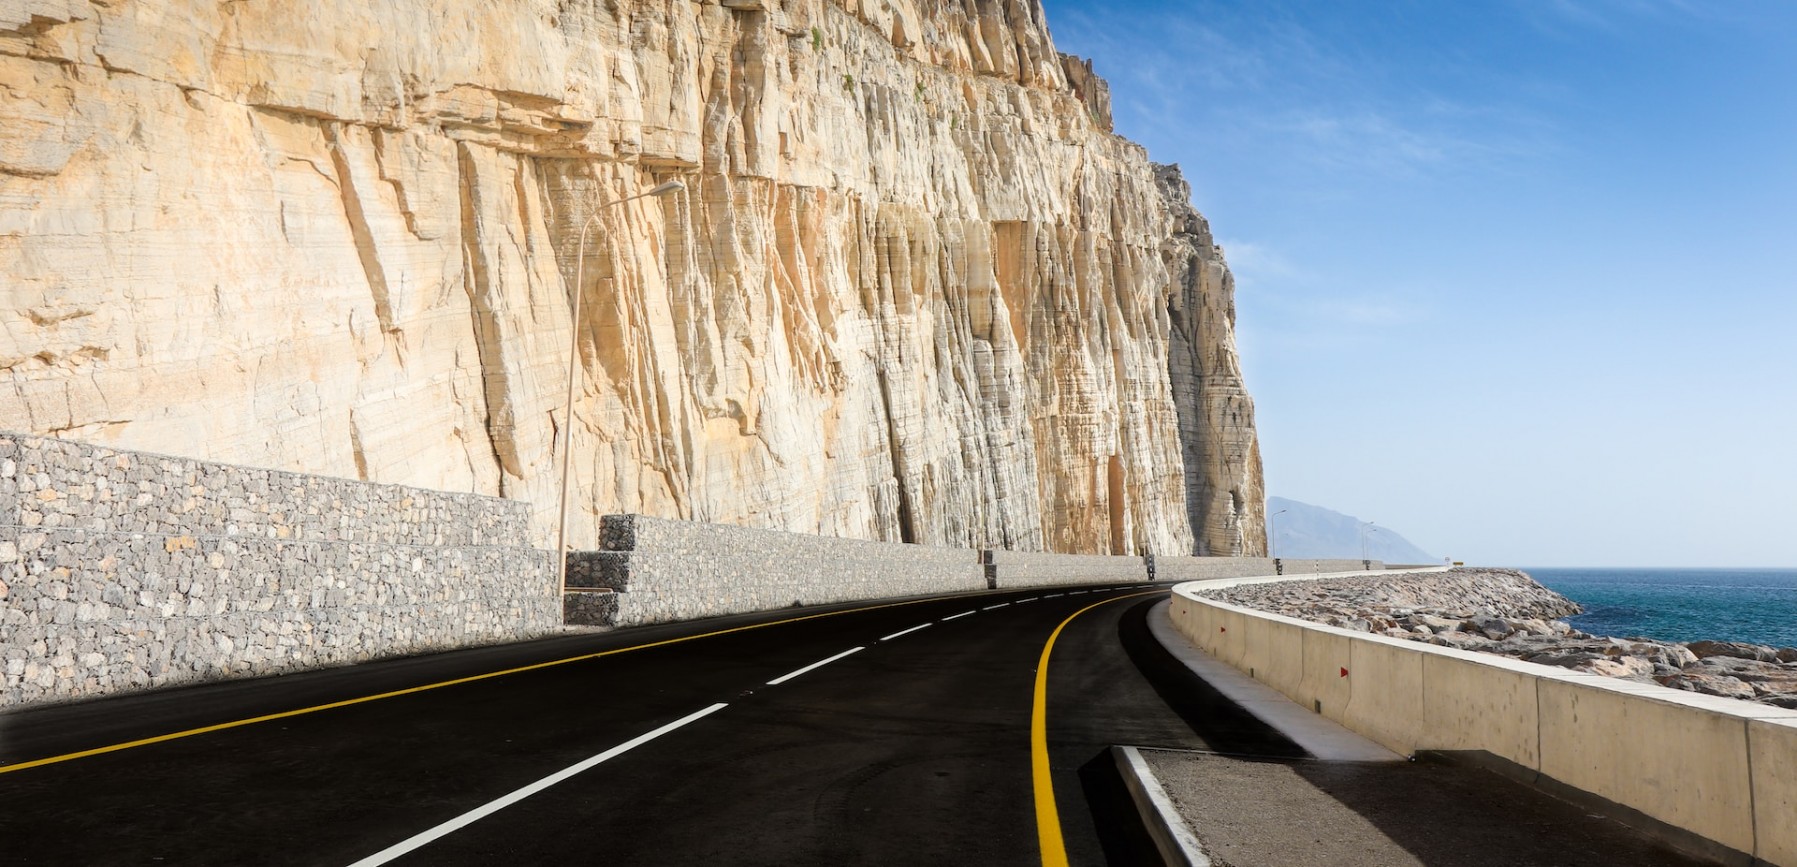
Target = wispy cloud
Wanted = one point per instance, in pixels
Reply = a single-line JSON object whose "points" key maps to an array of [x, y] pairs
{"points": [[1259, 262], [1273, 85], [1307, 301], [1568, 18]]}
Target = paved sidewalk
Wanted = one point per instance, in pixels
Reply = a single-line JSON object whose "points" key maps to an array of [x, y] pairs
{"points": [[1298, 813], [1356, 804]]}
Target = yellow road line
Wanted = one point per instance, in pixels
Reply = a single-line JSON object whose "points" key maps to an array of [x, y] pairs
{"points": [[113, 748], [1048, 818]]}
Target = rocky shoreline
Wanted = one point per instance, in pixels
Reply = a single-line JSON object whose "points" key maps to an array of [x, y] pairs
{"points": [[1506, 612]]}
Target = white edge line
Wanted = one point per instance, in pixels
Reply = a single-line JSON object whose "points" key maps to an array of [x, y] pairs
{"points": [[906, 631], [491, 807], [953, 616], [991, 607], [1178, 833], [818, 664]]}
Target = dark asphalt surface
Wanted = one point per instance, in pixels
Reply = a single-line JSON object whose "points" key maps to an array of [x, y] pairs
{"points": [[912, 750], [915, 749]]}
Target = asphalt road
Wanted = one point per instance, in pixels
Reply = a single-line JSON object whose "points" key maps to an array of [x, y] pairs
{"points": [[707, 742]]}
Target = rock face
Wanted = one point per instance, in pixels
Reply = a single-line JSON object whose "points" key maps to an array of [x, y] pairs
{"points": [[1505, 611], [914, 288], [1225, 500]]}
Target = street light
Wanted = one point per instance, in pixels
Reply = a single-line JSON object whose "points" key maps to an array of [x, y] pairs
{"points": [[1273, 537], [1366, 530], [561, 530]]}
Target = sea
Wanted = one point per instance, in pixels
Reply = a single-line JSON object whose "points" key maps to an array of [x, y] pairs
{"points": [[1758, 606]]}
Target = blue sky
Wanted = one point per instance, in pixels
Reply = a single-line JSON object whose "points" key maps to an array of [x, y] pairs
{"points": [[1516, 278]]}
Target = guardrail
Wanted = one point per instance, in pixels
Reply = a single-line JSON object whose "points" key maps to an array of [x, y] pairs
{"points": [[1713, 774]]}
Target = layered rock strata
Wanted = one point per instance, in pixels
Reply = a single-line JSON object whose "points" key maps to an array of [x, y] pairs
{"points": [[1225, 501], [914, 290], [1506, 612]]}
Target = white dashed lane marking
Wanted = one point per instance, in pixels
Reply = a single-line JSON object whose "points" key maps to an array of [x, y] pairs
{"points": [[818, 664], [491, 807], [905, 631], [955, 616]]}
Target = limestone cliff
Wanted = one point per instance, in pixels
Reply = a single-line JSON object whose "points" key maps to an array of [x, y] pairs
{"points": [[914, 289]]}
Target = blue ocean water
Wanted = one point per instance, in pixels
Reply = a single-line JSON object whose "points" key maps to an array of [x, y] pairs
{"points": [[1752, 605]]}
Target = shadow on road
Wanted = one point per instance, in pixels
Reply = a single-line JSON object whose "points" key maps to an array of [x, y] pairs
{"points": [[1223, 725]]}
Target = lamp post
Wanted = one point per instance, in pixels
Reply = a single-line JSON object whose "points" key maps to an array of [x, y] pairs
{"points": [[1366, 530], [561, 530], [1273, 535]]}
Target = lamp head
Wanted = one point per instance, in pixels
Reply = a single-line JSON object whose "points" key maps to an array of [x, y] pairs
{"points": [[666, 187]]}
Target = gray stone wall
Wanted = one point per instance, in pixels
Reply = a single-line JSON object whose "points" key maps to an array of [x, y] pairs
{"points": [[1029, 569], [123, 570], [679, 570], [661, 570], [1205, 568], [1317, 567]]}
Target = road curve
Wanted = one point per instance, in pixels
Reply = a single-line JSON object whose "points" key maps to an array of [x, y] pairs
{"points": [[888, 732]]}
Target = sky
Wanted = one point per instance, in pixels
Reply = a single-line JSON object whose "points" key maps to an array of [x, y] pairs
{"points": [[1515, 278]]}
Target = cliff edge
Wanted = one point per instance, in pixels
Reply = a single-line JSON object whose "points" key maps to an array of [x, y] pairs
{"points": [[915, 288]]}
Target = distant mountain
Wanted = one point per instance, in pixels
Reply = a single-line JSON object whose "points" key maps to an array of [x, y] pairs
{"points": [[1313, 531]]}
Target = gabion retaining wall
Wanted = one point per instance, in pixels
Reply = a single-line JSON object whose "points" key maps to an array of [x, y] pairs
{"points": [[679, 570], [664, 570], [1204, 568], [1027, 569], [122, 570], [1318, 567]]}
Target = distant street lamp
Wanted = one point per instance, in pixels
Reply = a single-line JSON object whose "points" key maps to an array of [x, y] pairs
{"points": [[1273, 536], [561, 530], [1366, 530]]}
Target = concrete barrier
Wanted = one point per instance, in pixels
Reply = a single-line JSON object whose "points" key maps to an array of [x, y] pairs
{"points": [[1772, 749], [1715, 775]]}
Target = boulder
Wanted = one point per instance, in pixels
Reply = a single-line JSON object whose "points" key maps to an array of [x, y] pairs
{"points": [[1736, 649], [1710, 684], [1630, 667], [1494, 628]]}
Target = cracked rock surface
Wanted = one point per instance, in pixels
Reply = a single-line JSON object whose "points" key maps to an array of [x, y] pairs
{"points": [[915, 288]]}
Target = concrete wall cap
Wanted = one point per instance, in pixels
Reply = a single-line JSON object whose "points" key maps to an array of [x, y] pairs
{"points": [[1745, 710]]}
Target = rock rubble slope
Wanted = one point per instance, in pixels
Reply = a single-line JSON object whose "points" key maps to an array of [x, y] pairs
{"points": [[915, 288], [1505, 611]]}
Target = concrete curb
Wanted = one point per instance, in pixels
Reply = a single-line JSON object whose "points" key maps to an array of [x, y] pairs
{"points": [[1323, 738], [1174, 839]]}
